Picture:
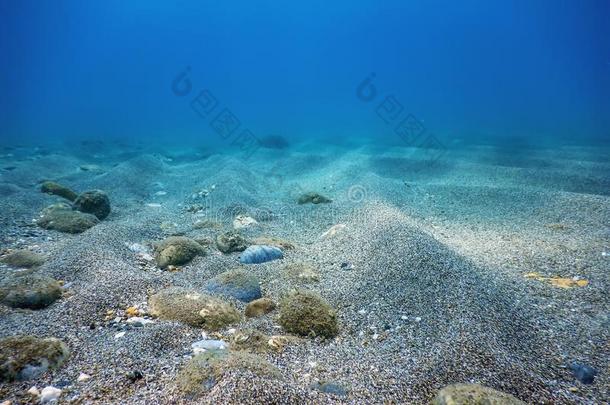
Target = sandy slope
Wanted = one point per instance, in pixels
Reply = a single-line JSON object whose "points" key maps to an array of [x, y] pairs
{"points": [[437, 293]]}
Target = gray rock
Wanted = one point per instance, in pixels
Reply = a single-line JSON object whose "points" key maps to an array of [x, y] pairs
{"points": [[237, 284], [94, 202], [29, 291]]}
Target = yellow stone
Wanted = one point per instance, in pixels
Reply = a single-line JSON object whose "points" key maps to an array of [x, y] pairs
{"points": [[132, 311]]}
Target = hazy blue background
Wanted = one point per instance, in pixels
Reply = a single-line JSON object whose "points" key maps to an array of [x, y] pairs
{"points": [[103, 69]]}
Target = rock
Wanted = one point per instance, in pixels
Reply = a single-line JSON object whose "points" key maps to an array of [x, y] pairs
{"points": [[260, 254], [237, 284], [330, 388], [83, 377], [205, 370], [209, 344], [49, 394], [271, 241], [259, 307], [27, 357], [230, 242], [466, 394], [176, 250], [313, 198], [306, 313], [61, 217], [134, 375], [50, 187], [23, 259], [583, 373], [250, 340], [193, 308], [29, 291], [34, 391], [242, 221], [301, 272], [94, 202]]}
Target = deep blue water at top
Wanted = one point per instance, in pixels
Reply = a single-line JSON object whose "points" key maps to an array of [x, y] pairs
{"points": [[76, 69]]}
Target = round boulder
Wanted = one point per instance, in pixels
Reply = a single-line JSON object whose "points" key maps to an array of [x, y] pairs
{"points": [[193, 308], [176, 250], [307, 314], [29, 291], [94, 202], [205, 370], [61, 217], [27, 357], [259, 307], [236, 284], [23, 259], [230, 242]]}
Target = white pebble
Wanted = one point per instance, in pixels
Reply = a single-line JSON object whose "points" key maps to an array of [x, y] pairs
{"points": [[34, 391], [417, 319], [362, 311], [83, 377], [209, 344], [119, 335], [49, 394], [404, 317]]}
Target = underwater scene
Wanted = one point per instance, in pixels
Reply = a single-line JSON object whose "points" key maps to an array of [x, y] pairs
{"points": [[349, 202]]}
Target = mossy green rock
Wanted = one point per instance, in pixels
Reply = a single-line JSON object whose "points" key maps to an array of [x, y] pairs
{"points": [[62, 218], [473, 394], [29, 291], [313, 198], [307, 314], [201, 373], [176, 250], [23, 259], [27, 357], [259, 307], [50, 187], [193, 308], [94, 202], [230, 242]]}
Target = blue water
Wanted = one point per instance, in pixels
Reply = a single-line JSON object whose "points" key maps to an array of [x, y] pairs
{"points": [[469, 69]]}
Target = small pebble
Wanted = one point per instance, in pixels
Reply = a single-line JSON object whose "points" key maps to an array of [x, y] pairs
{"points": [[82, 377], [49, 394]]}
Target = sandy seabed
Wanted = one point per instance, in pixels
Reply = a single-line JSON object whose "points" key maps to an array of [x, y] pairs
{"points": [[440, 272]]}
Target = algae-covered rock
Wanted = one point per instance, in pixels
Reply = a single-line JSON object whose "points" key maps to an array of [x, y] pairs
{"points": [[237, 284], [23, 259], [301, 272], [250, 340], [230, 242], [193, 308], [61, 217], [94, 202], [50, 187], [306, 313], [29, 291], [272, 241], [473, 394], [313, 198], [205, 370], [27, 357], [176, 250], [259, 307]]}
